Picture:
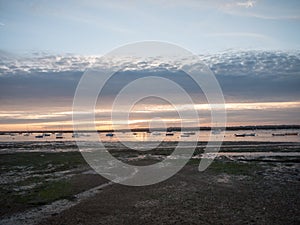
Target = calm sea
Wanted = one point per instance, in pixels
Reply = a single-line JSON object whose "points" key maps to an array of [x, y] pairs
{"points": [[260, 136]]}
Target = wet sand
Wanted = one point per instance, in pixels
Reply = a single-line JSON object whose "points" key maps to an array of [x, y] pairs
{"points": [[60, 188]]}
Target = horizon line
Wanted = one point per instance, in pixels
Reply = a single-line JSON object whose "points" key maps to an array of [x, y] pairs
{"points": [[242, 127]]}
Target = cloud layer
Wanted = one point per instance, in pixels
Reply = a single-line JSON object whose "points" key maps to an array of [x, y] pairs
{"points": [[39, 89], [242, 74]]}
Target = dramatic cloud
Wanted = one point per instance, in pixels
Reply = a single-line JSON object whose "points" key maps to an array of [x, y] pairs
{"points": [[256, 84], [248, 75]]}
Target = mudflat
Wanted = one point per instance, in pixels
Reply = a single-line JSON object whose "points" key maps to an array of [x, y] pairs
{"points": [[60, 188], [226, 193]]}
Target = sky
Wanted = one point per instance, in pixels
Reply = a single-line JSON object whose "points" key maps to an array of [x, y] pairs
{"points": [[252, 47], [76, 26]]}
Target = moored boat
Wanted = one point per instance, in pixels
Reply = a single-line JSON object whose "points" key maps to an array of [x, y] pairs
{"points": [[278, 134], [240, 135], [39, 136], [59, 136], [245, 135], [292, 134]]}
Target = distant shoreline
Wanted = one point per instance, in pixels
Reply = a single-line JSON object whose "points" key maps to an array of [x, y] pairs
{"points": [[260, 127]]}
